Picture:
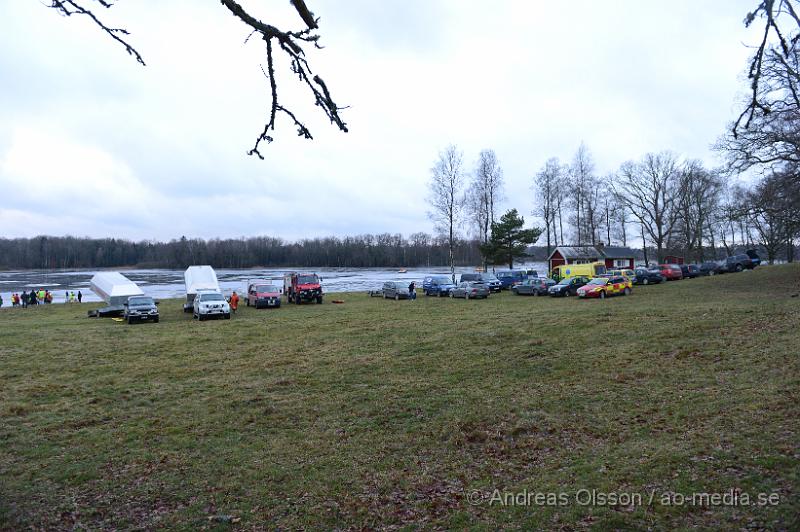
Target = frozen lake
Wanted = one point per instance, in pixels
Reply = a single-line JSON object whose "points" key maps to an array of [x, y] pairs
{"points": [[167, 284]]}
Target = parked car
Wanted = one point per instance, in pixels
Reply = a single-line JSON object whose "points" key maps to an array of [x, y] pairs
{"points": [[624, 272], [754, 258], [395, 290], [263, 296], [210, 303], [567, 287], [711, 267], [671, 272], [140, 308], [645, 276], [538, 286], [437, 285], [470, 290], [509, 278], [690, 271], [606, 286], [737, 263]]}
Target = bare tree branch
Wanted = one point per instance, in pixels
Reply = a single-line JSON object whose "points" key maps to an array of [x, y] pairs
{"points": [[73, 7], [290, 42]]}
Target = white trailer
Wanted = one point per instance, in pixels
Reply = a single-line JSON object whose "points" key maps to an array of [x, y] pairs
{"points": [[199, 279], [115, 289]]}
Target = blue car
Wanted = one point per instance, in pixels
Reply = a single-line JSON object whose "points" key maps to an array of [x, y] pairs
{"points": [[509, 278], [437, 285]]}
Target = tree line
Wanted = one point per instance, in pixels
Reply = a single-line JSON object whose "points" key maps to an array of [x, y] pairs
{"points": [[362, 251]]}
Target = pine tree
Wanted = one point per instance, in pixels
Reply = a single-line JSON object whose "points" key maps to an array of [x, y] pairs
{"points": [[509, 240]]}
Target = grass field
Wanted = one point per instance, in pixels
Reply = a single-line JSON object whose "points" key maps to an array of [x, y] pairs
{"points": [[379, 413]]}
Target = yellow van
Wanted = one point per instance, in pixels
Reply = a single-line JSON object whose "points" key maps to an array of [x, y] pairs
{"points": [[590, 270]]}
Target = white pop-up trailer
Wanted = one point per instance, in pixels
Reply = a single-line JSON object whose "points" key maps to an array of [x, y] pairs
{"points": [[115, 289], [198, 278]]}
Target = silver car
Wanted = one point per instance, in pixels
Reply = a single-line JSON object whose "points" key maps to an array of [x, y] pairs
{"points": [[470, 290], [395, 290]]}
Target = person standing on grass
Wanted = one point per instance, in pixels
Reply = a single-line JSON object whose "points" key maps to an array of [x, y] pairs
{"points": [[412, 293], [80, 296], [23, 299], [1, 301], [32, 298], [234, 302]]}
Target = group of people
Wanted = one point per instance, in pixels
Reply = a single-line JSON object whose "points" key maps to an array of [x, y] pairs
{"points": [[40, 297]]}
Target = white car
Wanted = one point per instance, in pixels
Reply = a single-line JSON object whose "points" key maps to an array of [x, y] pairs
{"points": [[209, 304]]}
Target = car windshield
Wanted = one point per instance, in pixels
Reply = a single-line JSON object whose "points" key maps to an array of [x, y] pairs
{"points": [[266, 288], [211, 297], [599, 280], [441, 280], [307, 279], [489, 277], [565, 281], [140, 301], [503, 275]]}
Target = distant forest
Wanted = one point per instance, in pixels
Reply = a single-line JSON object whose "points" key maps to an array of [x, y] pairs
{"points": [[363, 251]]}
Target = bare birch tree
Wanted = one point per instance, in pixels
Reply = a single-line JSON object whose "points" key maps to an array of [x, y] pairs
{"points": [[446, 197], [582, 173], [485, 193], [546, 194]]}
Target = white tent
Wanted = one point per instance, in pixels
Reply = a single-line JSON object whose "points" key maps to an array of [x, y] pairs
{"points": [[114, 288]]}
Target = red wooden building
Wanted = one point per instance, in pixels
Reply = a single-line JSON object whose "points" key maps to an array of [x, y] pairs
{"points": [[612, 256]]}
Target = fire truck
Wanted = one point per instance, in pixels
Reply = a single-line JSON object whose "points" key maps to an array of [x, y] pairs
{"points": [[300, 287]]}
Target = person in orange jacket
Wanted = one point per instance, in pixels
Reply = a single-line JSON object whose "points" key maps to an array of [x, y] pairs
{"points": [[234, 302]]}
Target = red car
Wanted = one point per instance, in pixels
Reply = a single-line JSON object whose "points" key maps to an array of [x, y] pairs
{"points": [[671, 272], [263, 296]]}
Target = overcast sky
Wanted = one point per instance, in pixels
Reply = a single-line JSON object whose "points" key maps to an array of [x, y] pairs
{"points": [[93, 144]]}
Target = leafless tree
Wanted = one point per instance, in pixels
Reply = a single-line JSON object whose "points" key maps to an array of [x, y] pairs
{"points": [[485, 193], [773, 73], [698, 196], [291, 42], [619, 219], [582, 173], [545, 186], [593, 203], [446, 197], [649, 190]]}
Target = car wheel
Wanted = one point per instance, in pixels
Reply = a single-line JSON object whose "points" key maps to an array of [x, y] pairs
{"points": [[712, 272], [200, 317], [627, 291], [319, 300], [466, 295], [739, 267], [228, 316], [397, 297], [646, 281], [451, 295], [535, 292], [130, 321], [602, 295], [155, 320]]}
